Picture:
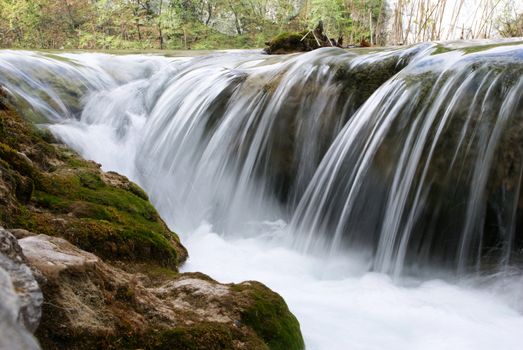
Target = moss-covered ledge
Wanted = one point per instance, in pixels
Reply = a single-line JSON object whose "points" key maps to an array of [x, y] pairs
{"points": [[268, 314], [49, 189], [119, 286]]}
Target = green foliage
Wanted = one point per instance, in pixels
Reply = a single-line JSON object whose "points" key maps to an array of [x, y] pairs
{"points": [[177, 24], [348, 18], [511, 25]]}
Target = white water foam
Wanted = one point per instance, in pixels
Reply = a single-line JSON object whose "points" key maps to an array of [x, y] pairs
{"points": [[339, 307], [339, 304]]}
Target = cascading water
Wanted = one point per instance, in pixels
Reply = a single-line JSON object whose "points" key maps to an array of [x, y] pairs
{"points": [[240, 136], [396, 161], [428, 172]]}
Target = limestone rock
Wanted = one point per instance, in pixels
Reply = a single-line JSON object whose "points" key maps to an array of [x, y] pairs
{"points": [[51, 255], [20, 297], [30, 297], [21, 233], [91, 304]]}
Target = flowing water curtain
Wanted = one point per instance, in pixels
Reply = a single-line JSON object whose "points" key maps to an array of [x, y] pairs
{"points": [[48, 89], [232, 131], [428, 172], [231, 139], [417, 174], [238, 137], [54, 87]]}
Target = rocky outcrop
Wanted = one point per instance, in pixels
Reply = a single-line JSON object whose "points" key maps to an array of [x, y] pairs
{"points": [[47, 188], [20, 297], [286, 43], [107, 265], [13, 262], [91, 304]]}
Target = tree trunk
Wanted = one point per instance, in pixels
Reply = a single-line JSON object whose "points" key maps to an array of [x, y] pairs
{"points": [[370, 27], [160, 38]]}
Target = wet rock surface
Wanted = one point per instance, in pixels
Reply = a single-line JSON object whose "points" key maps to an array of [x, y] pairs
{"points": [[20, 297], [13, 262]]}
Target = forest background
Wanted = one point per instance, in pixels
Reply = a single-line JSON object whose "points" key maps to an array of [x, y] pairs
{"points": [[221, 24]]}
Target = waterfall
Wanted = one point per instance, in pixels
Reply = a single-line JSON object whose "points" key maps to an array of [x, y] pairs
{"points": [[410, 158], [239, 137], [428, 172], [347, 180]]}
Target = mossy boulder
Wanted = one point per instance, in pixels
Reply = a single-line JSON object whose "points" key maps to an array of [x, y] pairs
{"points": [[298, 42], [136, 299], [90, 304], [285, 43], [49, 189], [268, 315]]}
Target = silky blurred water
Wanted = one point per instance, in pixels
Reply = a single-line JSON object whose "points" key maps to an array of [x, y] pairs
{"points": [[230, 147], [341, 306]]}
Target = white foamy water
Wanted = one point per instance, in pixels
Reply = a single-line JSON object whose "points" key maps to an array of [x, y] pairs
{"points": [[341, 307]]}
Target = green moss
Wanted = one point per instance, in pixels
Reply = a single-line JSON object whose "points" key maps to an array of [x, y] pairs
{"points": [[90, 180], [46, 136], [108, 221], [49, 201], [289, 43], [158, 274], [20, 217], [67, 197], [137, 190], [440, 49], [203, 336], [15, 160], [478, 48], [73, 162], [269, 316]]}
